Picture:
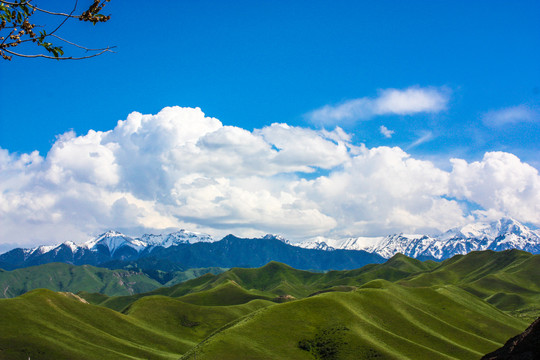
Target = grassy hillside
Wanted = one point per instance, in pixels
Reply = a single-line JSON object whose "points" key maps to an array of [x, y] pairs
{"points": [[46, 325], [65, 277], [276, 280], [509, 279], [380, 320], [461, 308], [71, 278]]}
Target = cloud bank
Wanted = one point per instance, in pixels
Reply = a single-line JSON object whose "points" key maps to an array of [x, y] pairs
{"points": [[180, 168], [410, 101]]}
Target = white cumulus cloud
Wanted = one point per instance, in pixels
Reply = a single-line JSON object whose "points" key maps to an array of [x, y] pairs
{"points": [[501, 184], [180, 168]]}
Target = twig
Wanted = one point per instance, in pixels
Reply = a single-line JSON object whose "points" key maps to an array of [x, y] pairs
{"points": [[66, 18], [56, 58], [80, 46]]}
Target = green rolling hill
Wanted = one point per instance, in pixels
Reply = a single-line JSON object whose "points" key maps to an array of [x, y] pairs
{"points": [[380, 320], [71, 278], [508, 280], [461, 308], [50, 325], [278, 280]]}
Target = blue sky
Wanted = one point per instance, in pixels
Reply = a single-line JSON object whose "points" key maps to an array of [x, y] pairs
{"points": [[254, 63]]}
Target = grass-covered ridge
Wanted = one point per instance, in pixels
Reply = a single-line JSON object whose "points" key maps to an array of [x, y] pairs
{"points": [[461, 308], [48, 325], [508, 280], [71, 278], [379, 320]]}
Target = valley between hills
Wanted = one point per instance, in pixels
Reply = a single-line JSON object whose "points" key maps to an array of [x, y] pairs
{"points": [[461, 308]]}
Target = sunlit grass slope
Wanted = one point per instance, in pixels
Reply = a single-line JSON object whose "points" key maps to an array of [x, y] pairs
{"points": [[46, 325], [91, 279], [66, 277], [402, 309], [509, 279], [380, 320], [277, 279]]}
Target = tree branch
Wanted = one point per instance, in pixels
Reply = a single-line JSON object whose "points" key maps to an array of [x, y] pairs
{"points": [[66, 18], [57, 58], [82, 47], [16, 14]]}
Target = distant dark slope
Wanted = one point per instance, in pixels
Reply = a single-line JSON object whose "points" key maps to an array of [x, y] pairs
{"points": [[381, 320], [525, 346], [18, 258], [228, 252], [236, 252], [46, 325]]}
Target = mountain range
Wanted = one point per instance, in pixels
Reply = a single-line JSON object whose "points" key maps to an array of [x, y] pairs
{"points": [[500, 235], [185, 249]]}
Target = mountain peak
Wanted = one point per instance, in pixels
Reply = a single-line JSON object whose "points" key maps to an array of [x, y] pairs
{"points": [[110, 233], [276, 237], [230, 237], [181, 236]]}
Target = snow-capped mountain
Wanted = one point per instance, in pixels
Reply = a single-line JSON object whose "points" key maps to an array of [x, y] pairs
{"points": [[321, 243], [276, 237], [184, 250], [175, 238], [108, 246], [499, 235], [113, 240]]}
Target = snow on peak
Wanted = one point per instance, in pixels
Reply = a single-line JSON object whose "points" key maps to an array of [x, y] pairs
{"points": [[114, 240], [180, 237], [489, 230], [352, 243], [502, 234], [316, 245], [71, 245], [276, 237], [111, 233]]}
